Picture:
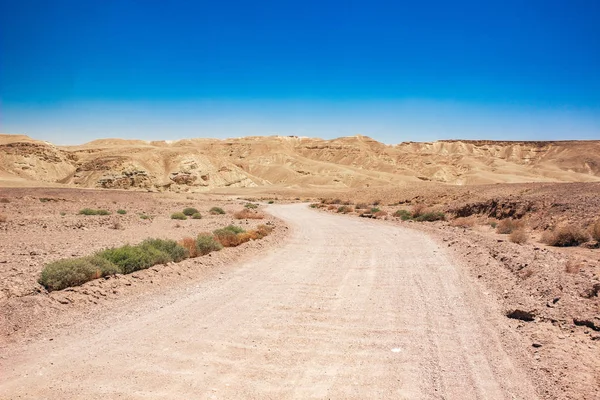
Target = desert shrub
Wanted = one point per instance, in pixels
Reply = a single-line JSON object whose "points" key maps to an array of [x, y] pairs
{"points": [[375, 210], [251, 206], [197, 216], [4, 200], [133, 258], [331, 207], [380, 214], [175, 251], [90, 211], [263, 230], [463, 222], [248, 214], [270, 202], [228, 236], [344, 209], [595, 231], [430, 216], [336, 201], [564, 236], [102, 212], [178, 215], [116, 225], [402, 214], [573, 266], [62, 213], [189, 244], [493, 224], [3, 218], [217, 211], [122, 212], [361, 206], [206, 243], [314, 205], [74, 272], [377, 202], [189, 211], [518, 236], [506, 226], [417, 210]]}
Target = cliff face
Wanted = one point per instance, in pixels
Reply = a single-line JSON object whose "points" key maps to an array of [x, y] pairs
{"points": [[358, 161]]}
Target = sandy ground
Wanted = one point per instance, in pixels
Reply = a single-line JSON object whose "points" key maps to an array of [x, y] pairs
{"points": [[347, 308]]}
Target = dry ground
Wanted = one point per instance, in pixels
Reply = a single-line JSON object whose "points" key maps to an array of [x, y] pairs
{"points": [[345, 309]]}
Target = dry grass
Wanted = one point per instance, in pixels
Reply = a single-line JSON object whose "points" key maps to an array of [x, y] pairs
{"points": [[417, 210], [248, 214], [189, 243], [345, 209], [116, 225], [331, 207], [595, 230], [507, 226], [565, 236], [3, 218], [573, 266], [519, 236], [463, 222], [380, 214], [361, 206]]}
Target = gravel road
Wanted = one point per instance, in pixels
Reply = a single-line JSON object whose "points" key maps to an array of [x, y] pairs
{"points": [[345, 309]]}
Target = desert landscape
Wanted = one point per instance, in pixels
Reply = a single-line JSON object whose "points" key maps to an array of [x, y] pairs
{"points": [[452, 269]]}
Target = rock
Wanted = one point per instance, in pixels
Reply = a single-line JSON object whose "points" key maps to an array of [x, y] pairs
{"points": [[586, 322], [521, 315], [536, 345]]}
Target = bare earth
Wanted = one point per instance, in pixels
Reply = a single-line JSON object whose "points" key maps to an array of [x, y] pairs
{"points": [[347, 308]]}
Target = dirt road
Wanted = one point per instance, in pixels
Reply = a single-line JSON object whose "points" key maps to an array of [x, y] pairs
{"points": [[345, 309]]}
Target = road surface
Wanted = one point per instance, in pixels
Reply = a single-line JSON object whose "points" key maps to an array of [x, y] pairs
{"points": [[345, 309]]}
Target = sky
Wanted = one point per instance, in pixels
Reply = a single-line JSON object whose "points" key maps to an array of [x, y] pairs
{"points": [[72, 71]]}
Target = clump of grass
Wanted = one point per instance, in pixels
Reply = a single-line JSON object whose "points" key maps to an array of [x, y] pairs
{"points": [[197, 216], [344, 209], [375, 210], [565, 236], [361, 206], [217, 211], [91, 211], [404, 215], [430, 216], [380, 214], [314, 205], [178, 215], [74, 272], [134, 258], [62, 213], [174, 250], [518, 236], [270, 202], [122, 212], [144, 216], [189, 211], [4, 200], [506, 226], [463, 222], [206, 243], [595, 230], [248, 214], [251, 206]]}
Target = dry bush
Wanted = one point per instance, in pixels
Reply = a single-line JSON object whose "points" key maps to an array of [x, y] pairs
{"points": [[573, 266], [417, 210], [463, 222], [380, 214], [595, 231], [331, 207], [4, 200], [507, 226], [361, 206], [116, 225], [189, 243], [248, 214], [3, 218], [518, 236], [344, 209], [564, 236]]}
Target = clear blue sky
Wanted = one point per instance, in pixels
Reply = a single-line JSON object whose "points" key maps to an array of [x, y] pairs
{"points": [[72, 71]]}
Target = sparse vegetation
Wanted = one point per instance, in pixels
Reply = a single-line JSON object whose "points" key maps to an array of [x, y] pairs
{"points": [[197, 216], [519, 236], [116, 225], [178, 215], [91, 211], [429, 216], [206, 243], [175, 251], [251, 206], [189, 211], [248, 214], [271, 202], [565, 236], [417, 210], [122, 212], [189, 244], [344, 209], [228, 236], [463, 222], [404, 215], [361, 206], [217, 211], [507, 226], [144, 216], [133, 258], [380, 214], [74, 272], [595, 231], [375, 210]]}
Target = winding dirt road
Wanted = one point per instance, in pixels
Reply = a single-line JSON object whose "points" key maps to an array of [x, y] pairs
{"points": [[346, 309]]}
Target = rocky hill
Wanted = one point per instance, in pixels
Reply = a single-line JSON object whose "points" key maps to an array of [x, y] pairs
{"points": [[348, 162]]}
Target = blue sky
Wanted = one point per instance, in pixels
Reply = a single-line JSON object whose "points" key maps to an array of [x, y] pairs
{"points": [[73, 71]]}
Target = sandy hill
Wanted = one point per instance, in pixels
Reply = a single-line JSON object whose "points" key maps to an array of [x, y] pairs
{"points": [[293, 162]]}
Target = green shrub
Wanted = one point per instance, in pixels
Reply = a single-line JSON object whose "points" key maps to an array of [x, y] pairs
{"points": [[206, 243], [122, 212], [102, 212], [133, 258], [375, 210], [189, 211], [74, 272], [251, 205], [178, 215], [217, 211], [344, 209], [271, 202], [197, 216], [404, 215], [144, 216], [175, 252], [90, 211], [431, 216]]}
